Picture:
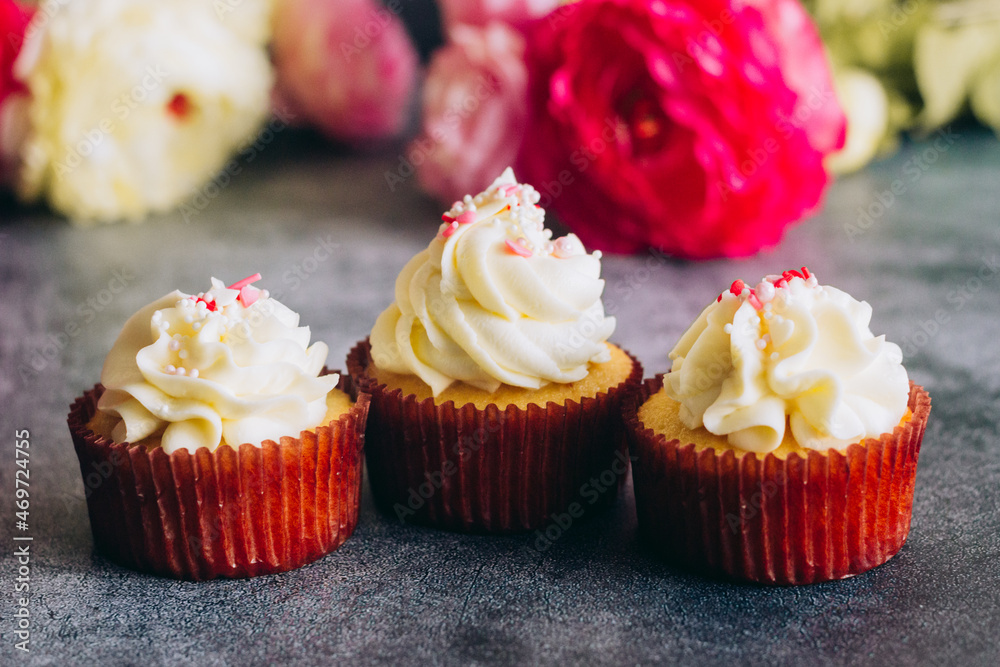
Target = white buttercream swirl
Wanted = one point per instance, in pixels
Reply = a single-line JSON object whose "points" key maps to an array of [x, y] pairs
{"points": [[492, 300], [198, 377], [799, 353]]}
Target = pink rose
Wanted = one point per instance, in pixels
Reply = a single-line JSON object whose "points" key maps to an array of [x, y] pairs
{"points": [[347, 66], [695, 126], [14, 20], [474, 111], [517, 13]]}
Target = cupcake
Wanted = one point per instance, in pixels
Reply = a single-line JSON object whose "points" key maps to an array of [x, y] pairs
{"points": [[217, 445], [782, 446], [495, 394]]}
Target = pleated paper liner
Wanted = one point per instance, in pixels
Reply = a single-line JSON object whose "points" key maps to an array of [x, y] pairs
{"points": [[496, 470], [800, 520], [225, 513]]}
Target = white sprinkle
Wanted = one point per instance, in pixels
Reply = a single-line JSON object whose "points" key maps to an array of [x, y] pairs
{"points": [[180, 370], [169, 368], [209, 296], [264, 294], [183, 354], [765, 291], [598, 254], [193, 373], [761, 344], [157, 316], [174, 345], [728, 328], [196, 326], [189, 318], [774, 356]]}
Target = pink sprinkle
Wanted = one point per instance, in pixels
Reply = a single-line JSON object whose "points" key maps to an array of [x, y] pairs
{"points": [[246, 281], [518, 248], [510, 189], [466, 218], [447, 218], [754, 301], [249, 295], [450, 229]]}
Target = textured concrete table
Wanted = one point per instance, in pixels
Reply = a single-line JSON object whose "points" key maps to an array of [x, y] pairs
{"points": [[329, 237]]}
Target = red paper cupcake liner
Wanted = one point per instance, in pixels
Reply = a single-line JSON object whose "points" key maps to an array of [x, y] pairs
{"points": [[491, 470], [225, 513], [800, 520]]}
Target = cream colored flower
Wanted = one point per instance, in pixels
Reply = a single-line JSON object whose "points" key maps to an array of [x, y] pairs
{"points": [[957, 59], [137, 103], [867, 107]]}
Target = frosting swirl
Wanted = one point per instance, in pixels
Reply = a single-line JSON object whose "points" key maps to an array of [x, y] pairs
{"points": [[789, 351], [493, 300], [226, 366]]}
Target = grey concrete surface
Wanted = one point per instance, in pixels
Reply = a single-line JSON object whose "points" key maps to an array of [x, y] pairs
{"points": [[329, 236]]}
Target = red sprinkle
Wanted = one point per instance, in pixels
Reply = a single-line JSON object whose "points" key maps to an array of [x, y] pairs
{"points": [[737, 287], [208, 304], [447, 218], [805, 273], [179, 106], [788, 275], [518, 249]]}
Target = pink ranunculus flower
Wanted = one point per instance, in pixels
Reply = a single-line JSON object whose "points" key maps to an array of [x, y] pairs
{"points": [[14, 19], [695, 126], [347, 66], [517, 13], [474, 111]]}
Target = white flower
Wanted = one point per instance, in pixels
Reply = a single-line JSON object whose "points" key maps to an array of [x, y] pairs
{"points": [[137, 103]]}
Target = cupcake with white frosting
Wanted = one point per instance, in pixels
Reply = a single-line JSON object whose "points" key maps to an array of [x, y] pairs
{"points": [[782, 446], [496, 395], [217, 444]]}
